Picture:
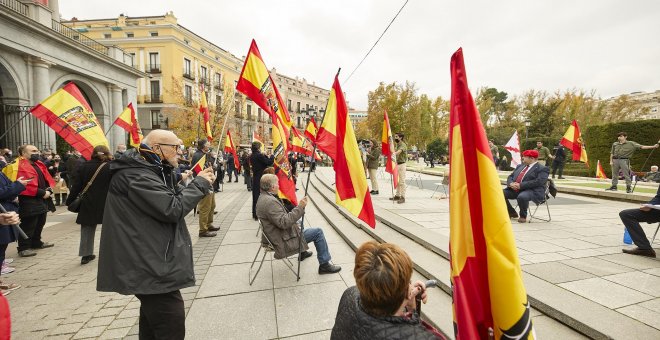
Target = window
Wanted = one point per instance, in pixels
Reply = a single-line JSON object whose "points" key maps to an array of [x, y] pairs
{"points": [[308, 95], [218, 103], [297, 107], [316, 97], [237, 107], [249, 112], [259, 114], [188, 94], [155, 91], [203, 50], [154, 65], [156, 119], [288, 104], [289, 89], [107, 35], [129, 35], [298, 91], [153, 34], [203, 74], [76, 37], [186, 68], [218, 80], [132, 59], [186, 41]]}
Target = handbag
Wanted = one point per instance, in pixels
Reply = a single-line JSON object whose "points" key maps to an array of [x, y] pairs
{"points": [[74, 206]]}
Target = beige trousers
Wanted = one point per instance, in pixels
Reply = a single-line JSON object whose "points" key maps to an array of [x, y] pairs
{"points": [[401, 188], [373, 174], [206, 207]]}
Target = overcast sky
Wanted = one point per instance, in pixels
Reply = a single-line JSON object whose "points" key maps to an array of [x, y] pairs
{"points": [[610, 46]]}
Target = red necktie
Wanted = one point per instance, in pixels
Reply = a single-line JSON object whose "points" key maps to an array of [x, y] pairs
{"points": [[522, 174]]}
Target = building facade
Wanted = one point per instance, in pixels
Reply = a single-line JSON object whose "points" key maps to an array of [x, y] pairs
{"points": [[39, 55], [357, 116], [649, 103], [180, 64]]}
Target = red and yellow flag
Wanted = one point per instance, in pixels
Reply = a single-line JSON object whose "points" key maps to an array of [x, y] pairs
{"points": [[204, 110], [311, 129], [350, 179], [199, 166], [600, 173], [67, 112], [230, 147], [388, 150], [257, 84], [302, 145], [573, 141], [488, 290], [326, 135], [127, 120]]}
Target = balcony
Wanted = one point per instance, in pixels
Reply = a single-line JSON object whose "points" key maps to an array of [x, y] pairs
{"points": [[153, 68], [206, 82], [154, 98], [217, 86], [187, 74]]}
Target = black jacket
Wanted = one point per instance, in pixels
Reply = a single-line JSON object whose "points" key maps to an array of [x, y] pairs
{"points": [[8, 198], [353, 323], [145, 244], [560, 155], [92, 206], [259, 163]]}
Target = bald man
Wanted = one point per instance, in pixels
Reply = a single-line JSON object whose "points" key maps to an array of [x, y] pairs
{"points": [[146, 249]]}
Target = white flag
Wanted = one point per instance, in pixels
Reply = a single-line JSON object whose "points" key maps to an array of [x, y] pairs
{"points": [[513, 145]]}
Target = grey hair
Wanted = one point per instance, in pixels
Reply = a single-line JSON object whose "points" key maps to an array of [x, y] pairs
{"points": [[267, 182]]}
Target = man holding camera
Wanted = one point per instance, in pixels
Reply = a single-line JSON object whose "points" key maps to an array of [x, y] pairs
{"points": [[33, 202], [620, 155]]}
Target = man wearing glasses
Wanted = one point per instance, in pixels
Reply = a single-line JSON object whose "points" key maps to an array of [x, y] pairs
{"points": [[145, 248]]}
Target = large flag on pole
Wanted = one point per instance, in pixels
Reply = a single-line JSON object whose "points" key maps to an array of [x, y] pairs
{"points": [[600, 173], [204, 110], [350, 179], [388, 150], [304, 146], [67, 112], [311, 129], [513, 145], [573, 141], [257, 84], [127, 120], [230, 147], [488, 291]]}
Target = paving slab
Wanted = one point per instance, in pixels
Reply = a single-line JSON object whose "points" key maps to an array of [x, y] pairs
{"points": [[597, 266], [645, 315], [556, 272], [640, 281], [606, 293], [233, 279]]}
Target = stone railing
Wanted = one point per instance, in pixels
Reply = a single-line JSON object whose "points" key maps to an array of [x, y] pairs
{"points": [[16, 6]]}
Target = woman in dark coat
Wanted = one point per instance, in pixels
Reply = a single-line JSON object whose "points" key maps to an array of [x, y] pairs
{"points": [[91, 208], [9, 199]]}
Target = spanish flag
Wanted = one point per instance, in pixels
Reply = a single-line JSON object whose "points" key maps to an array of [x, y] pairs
{"points": [[230, 147], [204, 110], [573, 141], [302, 145], [257, 84], [326, 134], [311, 129], [487, 286], [67, 112], [199, 166], [388, 150], [350, 179], [127, 120], [600, 173]]}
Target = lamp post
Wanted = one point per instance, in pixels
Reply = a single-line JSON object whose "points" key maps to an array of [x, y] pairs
{"points": [[527, 124]]}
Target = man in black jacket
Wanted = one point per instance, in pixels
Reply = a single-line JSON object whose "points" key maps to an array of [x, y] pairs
{"points": [[146, 249], [631, 219], [558, 161], [259, 163]]}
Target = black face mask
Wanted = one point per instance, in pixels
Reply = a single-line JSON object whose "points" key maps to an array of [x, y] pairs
{"points": [[34, 157]]}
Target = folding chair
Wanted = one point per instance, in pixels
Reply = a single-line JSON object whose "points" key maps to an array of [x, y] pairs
{"points": [[654, 234], [417, 177], [546, 196], [267, 248]]}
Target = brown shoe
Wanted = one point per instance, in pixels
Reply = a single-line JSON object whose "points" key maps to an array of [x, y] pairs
{"points": [[212, 228], [522, 219], [208, 234], [401, 200], [640, 252], [395, 198]]}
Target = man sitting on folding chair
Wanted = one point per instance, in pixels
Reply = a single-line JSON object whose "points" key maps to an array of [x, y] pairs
{"points": [[631, 219], [526, 183], [282, 229]]}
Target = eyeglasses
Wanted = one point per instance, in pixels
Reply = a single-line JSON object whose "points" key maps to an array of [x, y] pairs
{"points": [[176, 146]]}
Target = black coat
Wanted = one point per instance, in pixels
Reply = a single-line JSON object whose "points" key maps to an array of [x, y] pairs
{"points": [[259, 162], [92, 206], [8, 194], [145, 245], [560, 155], [353, 323]]}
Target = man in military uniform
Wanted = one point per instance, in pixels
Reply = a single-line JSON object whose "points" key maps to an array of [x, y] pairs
{"points": [[494, 151], [544, 153], [401, 155], [620, 155]]}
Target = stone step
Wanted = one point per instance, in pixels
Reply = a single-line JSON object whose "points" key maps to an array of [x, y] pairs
{"points": [[429, 251]]}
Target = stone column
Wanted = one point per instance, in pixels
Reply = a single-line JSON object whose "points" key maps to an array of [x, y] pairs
{"points": [[117, 135], [41, 91]]}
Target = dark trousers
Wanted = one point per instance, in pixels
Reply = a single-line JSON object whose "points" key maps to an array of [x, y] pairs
{"points": [[229, 174], [3, 249], [557, 165], [631, 219], [32, 226], [255, 198], [523, 198], [219, 175], [162, 316]]}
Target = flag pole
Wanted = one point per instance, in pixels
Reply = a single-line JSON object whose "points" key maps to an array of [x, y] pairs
{"points": [[309, 176], [392, 185]]}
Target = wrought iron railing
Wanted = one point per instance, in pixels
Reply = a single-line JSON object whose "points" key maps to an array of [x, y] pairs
{"points": [[153, 68], [16, 6], [187, 74], [154, 98], [79, 37]]}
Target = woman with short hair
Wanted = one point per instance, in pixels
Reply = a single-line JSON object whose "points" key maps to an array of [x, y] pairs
{"points": [[382, 304], [92, 206]]}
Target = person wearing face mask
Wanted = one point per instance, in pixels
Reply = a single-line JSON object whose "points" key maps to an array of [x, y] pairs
{"points": [[33, 202], [57, 170], [121, 148], [145, 247]]}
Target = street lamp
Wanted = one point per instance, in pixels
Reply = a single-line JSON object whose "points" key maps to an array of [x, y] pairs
{"points": [[527, 124]]}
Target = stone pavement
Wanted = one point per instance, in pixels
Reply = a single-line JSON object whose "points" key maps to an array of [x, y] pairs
{"points": [[579, 251]]}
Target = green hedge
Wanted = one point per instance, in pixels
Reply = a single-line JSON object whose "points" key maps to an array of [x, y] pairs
{"points": [[599, 139]]}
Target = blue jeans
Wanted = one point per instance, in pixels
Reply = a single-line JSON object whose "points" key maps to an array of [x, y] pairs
{"points": [[316, 235]]}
